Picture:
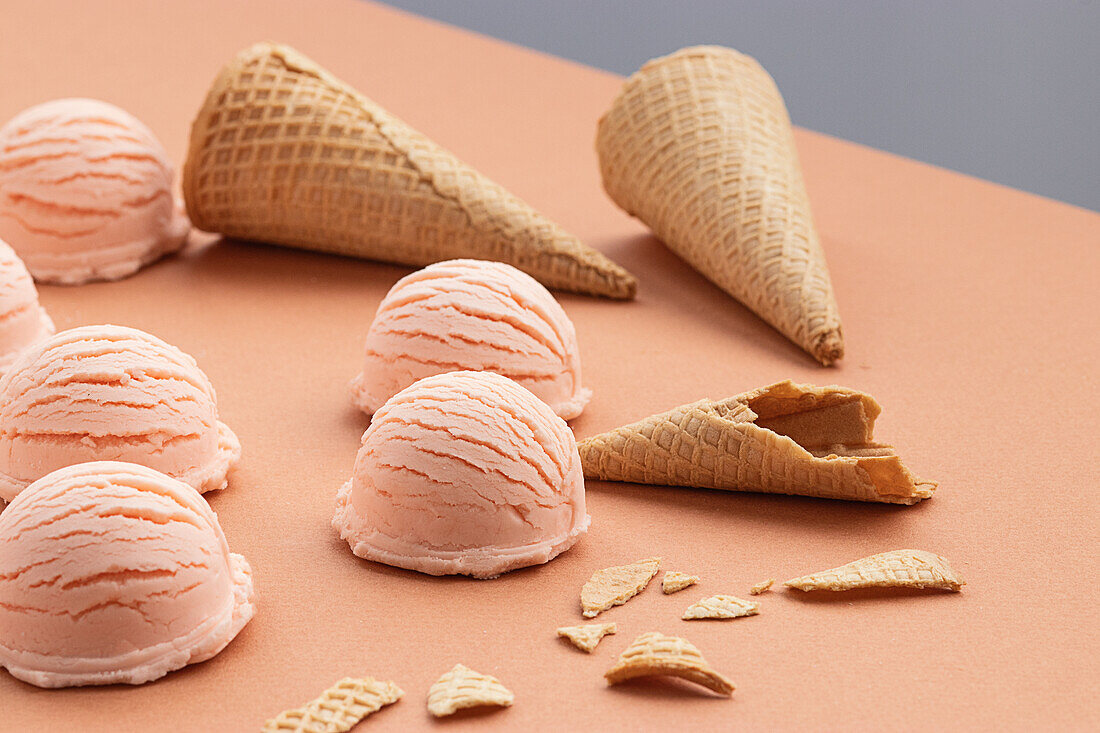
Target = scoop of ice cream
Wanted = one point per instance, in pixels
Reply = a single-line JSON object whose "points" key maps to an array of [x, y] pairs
{"points": [[112, 572], [472, 315], [464, 473], [22, 320], [86, 192], [110, 393]]}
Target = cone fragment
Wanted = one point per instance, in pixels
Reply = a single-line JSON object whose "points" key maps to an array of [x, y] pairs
{"points": [[338, 709], [721, 607], [587, 637], [615, 586], [698, 145], [674, 581], [462, 687], [896, 569], [284, 152], [654, 654], [784, 439], [762, 587]]}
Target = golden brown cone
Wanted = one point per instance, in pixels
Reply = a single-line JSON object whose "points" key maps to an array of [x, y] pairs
{"points": [[284, 152], [785, 439], [698, 145]]}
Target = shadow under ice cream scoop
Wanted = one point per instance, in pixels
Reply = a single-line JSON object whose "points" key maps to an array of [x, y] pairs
{"points": [[22, 320], [464, 473], [472, 315], [115, 573], [110, 393], [86, 192]]}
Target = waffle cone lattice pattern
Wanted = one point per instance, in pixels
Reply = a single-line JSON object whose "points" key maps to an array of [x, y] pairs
{"points": [[339, 709], [698, 145], [654, 654], [895, 569], [283, 152], [719, 445], [462, 687]]}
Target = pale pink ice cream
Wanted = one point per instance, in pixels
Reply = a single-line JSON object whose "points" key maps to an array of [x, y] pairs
{"points": [[112, 572], [22, 320], [478, 316], [464, 473], [110, 393], [86, 192]]}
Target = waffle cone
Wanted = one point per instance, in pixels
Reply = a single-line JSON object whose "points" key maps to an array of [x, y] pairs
{"points": [[698, 145], [784, 439], [284, 152]]}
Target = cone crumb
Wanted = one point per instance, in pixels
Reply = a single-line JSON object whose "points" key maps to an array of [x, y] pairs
{"points": [[674, 581], [762, 587]]}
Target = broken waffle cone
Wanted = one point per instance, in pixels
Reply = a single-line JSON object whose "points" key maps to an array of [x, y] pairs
{"points": [[896, 569], [615, 586], [654, 654], [338, 709], [674, 581], [721, 607], [698, 145], [784, 439], [462, 687], [587, 637], [283, 152]]}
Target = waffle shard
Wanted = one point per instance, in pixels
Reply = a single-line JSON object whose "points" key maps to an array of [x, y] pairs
{"points": [[674, 581], [653, 654], [762, 587], [338, 709], [588, 636], [721, 607], [896, 569], [462, 687], [617, 585]]}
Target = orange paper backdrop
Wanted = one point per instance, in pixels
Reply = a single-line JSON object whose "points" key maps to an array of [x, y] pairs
{"points": [[969, 310]]}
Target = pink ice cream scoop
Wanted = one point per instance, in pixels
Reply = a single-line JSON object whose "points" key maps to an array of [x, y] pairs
{"points": [[86, 192], [22, 320], [472, 315], [464, 473], [110, 393], [112, 572]]}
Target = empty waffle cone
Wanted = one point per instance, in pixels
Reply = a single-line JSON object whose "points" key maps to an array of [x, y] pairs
{"points": [[784, 439], [284, 152], [698, 145]]}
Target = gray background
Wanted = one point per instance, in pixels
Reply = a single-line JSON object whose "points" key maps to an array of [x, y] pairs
{"points": [[1001, 89]]}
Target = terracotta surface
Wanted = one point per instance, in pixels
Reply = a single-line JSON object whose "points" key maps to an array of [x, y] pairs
{"points": [[969, 312]]}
